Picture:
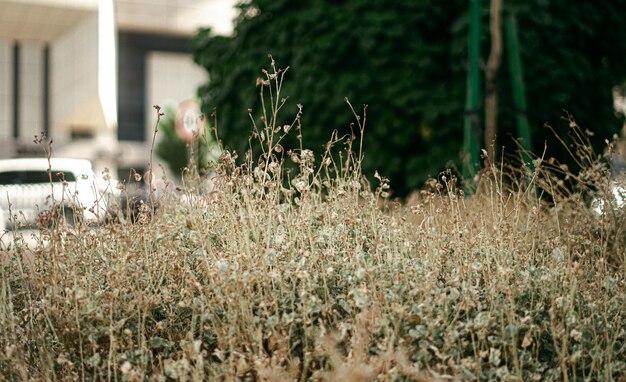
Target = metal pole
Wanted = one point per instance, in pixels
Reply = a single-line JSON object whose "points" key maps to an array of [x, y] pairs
{"points": [[471, 126]]}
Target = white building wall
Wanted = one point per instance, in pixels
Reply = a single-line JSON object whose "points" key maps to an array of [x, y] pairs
{"points": [[6, 90], [74, 78], [177, 16]]}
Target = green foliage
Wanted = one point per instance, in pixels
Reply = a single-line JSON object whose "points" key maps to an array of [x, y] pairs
{"points": [[571, 63], [171, 148], [406, 59], [348, 49], [175, 152]]}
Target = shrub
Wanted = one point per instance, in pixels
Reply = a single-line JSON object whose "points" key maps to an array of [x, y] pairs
{"points": [[307, 274]]}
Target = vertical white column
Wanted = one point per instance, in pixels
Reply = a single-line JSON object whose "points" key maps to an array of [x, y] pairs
{"points": [[107, 62]]}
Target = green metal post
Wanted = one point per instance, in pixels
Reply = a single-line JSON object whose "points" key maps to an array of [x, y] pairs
{"points": [[471, 124], [517, 83]]}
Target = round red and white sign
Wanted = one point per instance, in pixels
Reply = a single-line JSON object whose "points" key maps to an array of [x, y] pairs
{"points": [[188, 122]]}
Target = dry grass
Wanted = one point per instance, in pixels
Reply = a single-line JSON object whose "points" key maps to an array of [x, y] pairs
{"points": [[305, 274]]}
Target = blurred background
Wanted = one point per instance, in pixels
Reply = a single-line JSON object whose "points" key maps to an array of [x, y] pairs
{"points": [[87, 72], [442, 78]]}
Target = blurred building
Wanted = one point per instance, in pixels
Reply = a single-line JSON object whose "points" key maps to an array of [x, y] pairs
{"points": [[87, 72]]}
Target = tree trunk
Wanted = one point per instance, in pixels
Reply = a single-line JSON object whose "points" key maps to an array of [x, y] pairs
{"points": [[491, 75]]}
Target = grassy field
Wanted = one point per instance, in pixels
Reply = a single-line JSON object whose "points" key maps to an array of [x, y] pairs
{"points": [[293, 267]]}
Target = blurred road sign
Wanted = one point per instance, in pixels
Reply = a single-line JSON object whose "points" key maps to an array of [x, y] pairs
{"points": [[189, 124]]}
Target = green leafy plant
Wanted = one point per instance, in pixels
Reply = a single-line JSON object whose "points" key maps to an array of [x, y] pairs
{"points": [[178, 154], [407, 60]]}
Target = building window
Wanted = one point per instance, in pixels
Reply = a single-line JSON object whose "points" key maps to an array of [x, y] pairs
{"points": [[133, 51]]}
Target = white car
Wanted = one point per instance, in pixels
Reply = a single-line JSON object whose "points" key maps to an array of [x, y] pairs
{"points": [[31, 186], [2, 222], [615, 200]]}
